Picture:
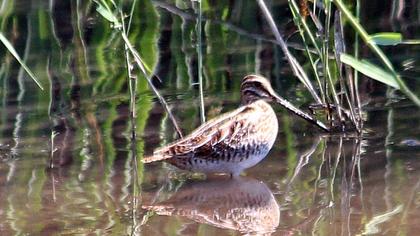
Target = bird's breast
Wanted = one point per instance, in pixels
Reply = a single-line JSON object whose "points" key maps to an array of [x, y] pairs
{"points": [[266, 124]]}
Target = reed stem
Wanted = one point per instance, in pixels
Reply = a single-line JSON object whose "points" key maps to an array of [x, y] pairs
{"points": [[296, 67], [200, 62], [376, 50]]}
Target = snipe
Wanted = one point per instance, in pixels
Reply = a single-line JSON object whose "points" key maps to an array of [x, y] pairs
{"points": [[233, 141]]}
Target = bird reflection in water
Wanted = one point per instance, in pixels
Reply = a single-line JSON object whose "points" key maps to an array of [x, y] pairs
{"points": [[242, 204]]}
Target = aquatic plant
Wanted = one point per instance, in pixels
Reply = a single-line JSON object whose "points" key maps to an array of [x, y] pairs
{"points": [[331, 62]]}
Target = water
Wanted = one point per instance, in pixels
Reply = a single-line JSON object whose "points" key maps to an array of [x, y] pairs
{"points": [[308, 184]]}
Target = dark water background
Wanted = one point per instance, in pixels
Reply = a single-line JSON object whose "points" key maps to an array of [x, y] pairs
{"points": [[310, 183]]}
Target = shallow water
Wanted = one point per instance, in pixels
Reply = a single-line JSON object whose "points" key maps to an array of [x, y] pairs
{"points": [[68, 165]]}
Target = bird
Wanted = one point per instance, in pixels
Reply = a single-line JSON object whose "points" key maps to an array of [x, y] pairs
{"points": [[236, 140], [243, 204]]}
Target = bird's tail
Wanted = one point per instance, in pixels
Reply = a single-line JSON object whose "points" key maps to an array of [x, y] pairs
{"points": [[155, 157]]}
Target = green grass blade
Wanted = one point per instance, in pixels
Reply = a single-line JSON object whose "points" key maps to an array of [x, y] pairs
{"points": [[370, 70], [375, 48], [411, 41], [386, 38], [105, 11], [106, 14], [12, 51], [390, 39]]}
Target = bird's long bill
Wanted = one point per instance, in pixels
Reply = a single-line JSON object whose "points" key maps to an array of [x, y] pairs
{"points": [[299, 112]]}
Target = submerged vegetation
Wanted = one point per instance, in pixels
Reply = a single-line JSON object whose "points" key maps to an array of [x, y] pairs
{"points": [[124, 77]]}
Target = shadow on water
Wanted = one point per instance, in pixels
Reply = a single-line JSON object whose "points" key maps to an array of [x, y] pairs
{"points": [[69, 165]]}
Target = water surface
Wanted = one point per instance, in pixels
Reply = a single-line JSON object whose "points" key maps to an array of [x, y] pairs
{"points": [[68, 164]]}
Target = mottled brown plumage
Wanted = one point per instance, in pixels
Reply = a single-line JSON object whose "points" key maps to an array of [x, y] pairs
{"points": [[235, 140]]}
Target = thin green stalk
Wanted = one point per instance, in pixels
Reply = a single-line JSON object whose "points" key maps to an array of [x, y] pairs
{"points": [[132, 80], [375, 48], [200, 62], [296, 67], [327, 72], [346, 86], [295, 11], [314, 7], [106, 12], [356, 73], [12, 51], [299, 22], [139, 63], [131, 16]]}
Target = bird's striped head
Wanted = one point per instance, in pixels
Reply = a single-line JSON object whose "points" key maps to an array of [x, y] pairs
{"points": [[255, 87]]}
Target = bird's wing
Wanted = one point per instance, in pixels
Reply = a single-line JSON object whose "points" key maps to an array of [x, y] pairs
{"points": [[220, 131]]}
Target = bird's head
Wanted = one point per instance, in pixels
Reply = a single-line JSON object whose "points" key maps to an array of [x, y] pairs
{"points": [[255, 87]]}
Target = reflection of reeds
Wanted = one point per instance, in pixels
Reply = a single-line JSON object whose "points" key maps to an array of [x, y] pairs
{"points": [[119, 24], [132, 79], [139, 63], [327, 195], [339, 193]]}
